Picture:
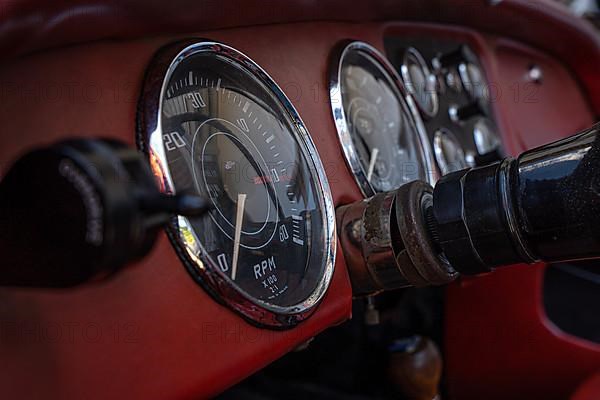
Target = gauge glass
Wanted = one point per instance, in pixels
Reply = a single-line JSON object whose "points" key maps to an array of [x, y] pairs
{"points": [[229, 134], [382, 141], [449, 153], [420, 82], [473, 81], [453, 81], [485, 137]]}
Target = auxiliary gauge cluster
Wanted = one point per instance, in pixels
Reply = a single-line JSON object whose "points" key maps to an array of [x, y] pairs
{"points": [[452, 95]]}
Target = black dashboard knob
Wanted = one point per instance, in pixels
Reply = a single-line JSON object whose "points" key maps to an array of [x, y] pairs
{"points": [[468, 111], [78, 211], [453, 58]]}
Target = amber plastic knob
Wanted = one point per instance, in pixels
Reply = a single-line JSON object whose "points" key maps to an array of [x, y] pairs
{"points": [[415, 368]]}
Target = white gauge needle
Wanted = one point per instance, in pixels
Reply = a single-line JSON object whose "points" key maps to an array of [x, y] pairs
{"points": [[241, 200], [372, 162]]}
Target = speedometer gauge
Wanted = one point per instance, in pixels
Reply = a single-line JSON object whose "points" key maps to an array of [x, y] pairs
{"points": [[215, 124], [382, 136]]}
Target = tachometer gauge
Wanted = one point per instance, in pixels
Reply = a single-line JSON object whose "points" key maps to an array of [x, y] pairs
{"points": [[215, 124], [382, 136]]}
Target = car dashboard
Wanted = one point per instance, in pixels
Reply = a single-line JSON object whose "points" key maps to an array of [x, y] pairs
{"points": [[481, 85]]}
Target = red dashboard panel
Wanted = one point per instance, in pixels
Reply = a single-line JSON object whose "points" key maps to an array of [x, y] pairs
{"points": [[32, 25], [152, 332], [538, 113], [589, 389]]}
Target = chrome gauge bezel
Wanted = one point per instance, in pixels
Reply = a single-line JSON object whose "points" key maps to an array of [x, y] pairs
{"points": [[202, 267], [339, 116], [481, 125], [438, 149], [413, 55], [472, 88]]}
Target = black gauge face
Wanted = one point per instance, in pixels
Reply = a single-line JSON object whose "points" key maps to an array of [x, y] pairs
{"points": [[382, 131], [228, 137]]}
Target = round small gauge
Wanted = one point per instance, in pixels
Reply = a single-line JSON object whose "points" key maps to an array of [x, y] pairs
{"points": [[420, 82], [449, 153], [473, 81], [215, 124], [383, 138], [485, 137], [453, 81]]}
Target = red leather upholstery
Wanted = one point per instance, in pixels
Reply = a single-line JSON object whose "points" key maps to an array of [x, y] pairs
{"points": [[152, 332], [589, 389]]}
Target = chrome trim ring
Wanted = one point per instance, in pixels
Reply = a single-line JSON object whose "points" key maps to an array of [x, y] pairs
{"points": [[413, 56], [485, 136], [404, 98], [198, 263], [441, 137], [476, 90]]}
